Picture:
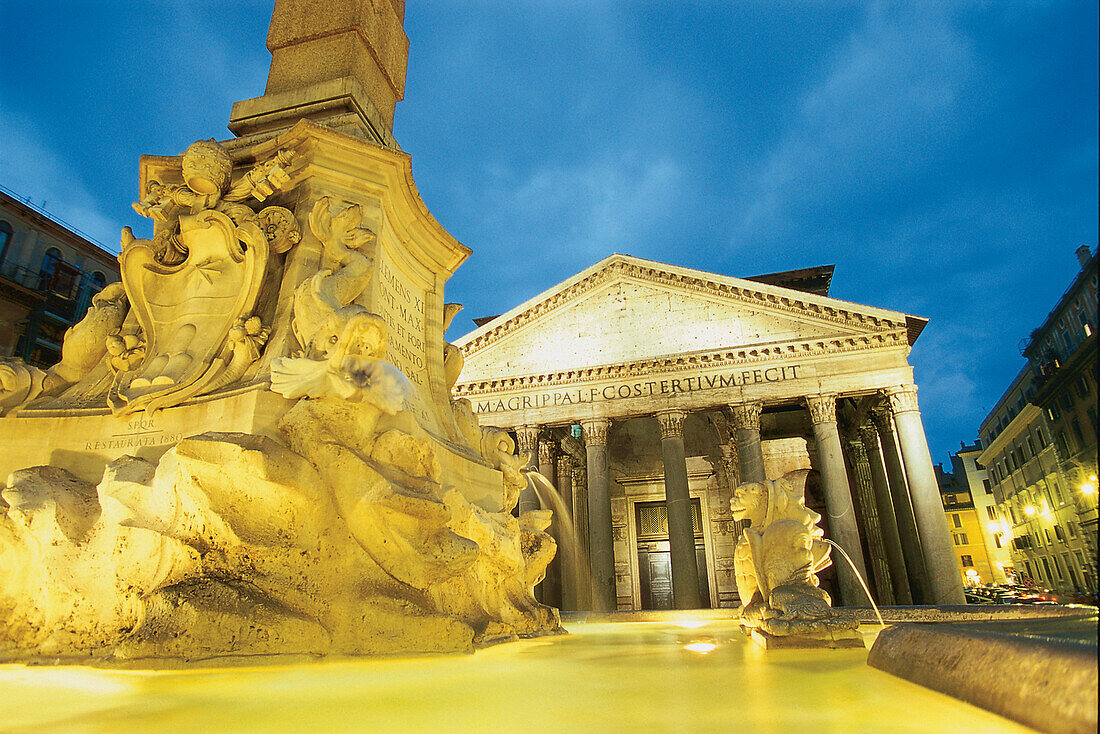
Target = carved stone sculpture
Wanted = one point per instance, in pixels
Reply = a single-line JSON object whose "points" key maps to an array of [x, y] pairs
{"points": [[369, 514], [777, 561]]}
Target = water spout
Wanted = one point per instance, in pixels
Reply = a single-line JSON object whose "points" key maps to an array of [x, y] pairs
{"points": [[861, 581], [574, 558]]}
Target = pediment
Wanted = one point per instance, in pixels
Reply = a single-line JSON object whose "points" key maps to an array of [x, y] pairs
{"points": [[627, 310]]}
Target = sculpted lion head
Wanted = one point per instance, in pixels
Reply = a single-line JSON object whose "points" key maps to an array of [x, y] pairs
{"points": [[763, 503]]}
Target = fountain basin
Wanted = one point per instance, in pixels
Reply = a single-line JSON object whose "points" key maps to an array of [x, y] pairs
{"points": [[684, 672]]}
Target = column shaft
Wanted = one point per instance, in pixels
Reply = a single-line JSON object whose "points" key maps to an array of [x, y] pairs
{"points": [[551, 585], [838, 499], [600, 535], [580, 518], [750, 452], [935, 536], [567, 535], [872, 527], [895, 556], [903, 508], [681, 538]]}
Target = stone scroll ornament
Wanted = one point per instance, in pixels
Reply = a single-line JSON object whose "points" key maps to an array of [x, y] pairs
{"points": [[777, 560]]}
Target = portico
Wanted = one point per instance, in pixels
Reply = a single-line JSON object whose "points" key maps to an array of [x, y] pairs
{"points": [[670, 386]]}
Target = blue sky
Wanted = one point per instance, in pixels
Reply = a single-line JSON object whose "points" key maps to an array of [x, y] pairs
{"points": [[942, 155]]}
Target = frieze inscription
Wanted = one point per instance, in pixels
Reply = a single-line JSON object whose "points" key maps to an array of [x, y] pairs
{"points": [[640, 389]]}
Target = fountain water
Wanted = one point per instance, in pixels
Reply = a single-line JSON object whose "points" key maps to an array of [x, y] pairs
{"points": [[570, 545], [863, 582]]}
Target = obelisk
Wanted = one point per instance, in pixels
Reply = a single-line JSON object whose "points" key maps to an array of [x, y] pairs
{"points": [[340, 63]]}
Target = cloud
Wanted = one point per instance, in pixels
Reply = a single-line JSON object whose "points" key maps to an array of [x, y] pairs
{"points": [[31, 169], [878, 113]]}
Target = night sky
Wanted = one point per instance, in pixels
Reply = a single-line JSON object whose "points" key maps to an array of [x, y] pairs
{"points": [[942, 155]]}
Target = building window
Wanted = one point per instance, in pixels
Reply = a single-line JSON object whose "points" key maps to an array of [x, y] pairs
{"points": [[956, 519], [5, 238], [960, 539], [1083, 386], [1071, 526], [997, 540], [1046, 567], [1046, 533], [1076, 426], [967, 561], [98, 281], [1067, 401], [50, 262], [988, 486], [992, 512], [1053, 413]]}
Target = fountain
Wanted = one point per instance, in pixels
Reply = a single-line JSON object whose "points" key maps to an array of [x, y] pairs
{"points": [[249, 446], [248, 468]]}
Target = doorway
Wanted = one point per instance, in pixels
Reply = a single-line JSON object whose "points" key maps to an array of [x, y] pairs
{"points": [[654, 560]]}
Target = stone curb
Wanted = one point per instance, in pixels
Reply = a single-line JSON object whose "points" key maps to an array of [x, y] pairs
{"points": [[1048, 685], [866, 615]]}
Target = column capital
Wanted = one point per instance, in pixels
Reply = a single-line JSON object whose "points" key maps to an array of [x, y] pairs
{"points": [[547, 450], [858, 449], [903, 399], [580, 474], [595, 431], [747, 415], [527, 439], [868, 435], [880, 417], [822, 408], [671, 423], [565, 464]]}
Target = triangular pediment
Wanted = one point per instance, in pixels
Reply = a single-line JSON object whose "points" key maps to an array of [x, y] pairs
{"points": [[628, 310]]}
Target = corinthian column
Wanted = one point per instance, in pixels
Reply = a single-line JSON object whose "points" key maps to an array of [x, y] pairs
{"points": [[838, 497], [861, 479], [600, 535], [580, 519], [895, 556], [567, 535], [681, 538], [903, 508], [750, 452], [527, 439], [551, 585], [935, 537]]}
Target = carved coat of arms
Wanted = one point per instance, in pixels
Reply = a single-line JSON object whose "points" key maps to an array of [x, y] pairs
{"points": [[186, 310]]}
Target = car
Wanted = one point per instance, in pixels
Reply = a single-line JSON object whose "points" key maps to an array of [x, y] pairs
{"points": [[975, 598]]}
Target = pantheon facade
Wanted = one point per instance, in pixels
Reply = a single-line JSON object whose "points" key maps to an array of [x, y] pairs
{"points": [[646, 392]]}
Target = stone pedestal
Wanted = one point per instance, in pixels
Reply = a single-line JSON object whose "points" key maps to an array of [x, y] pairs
{"points": [[825, 640], [340, 63]]}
